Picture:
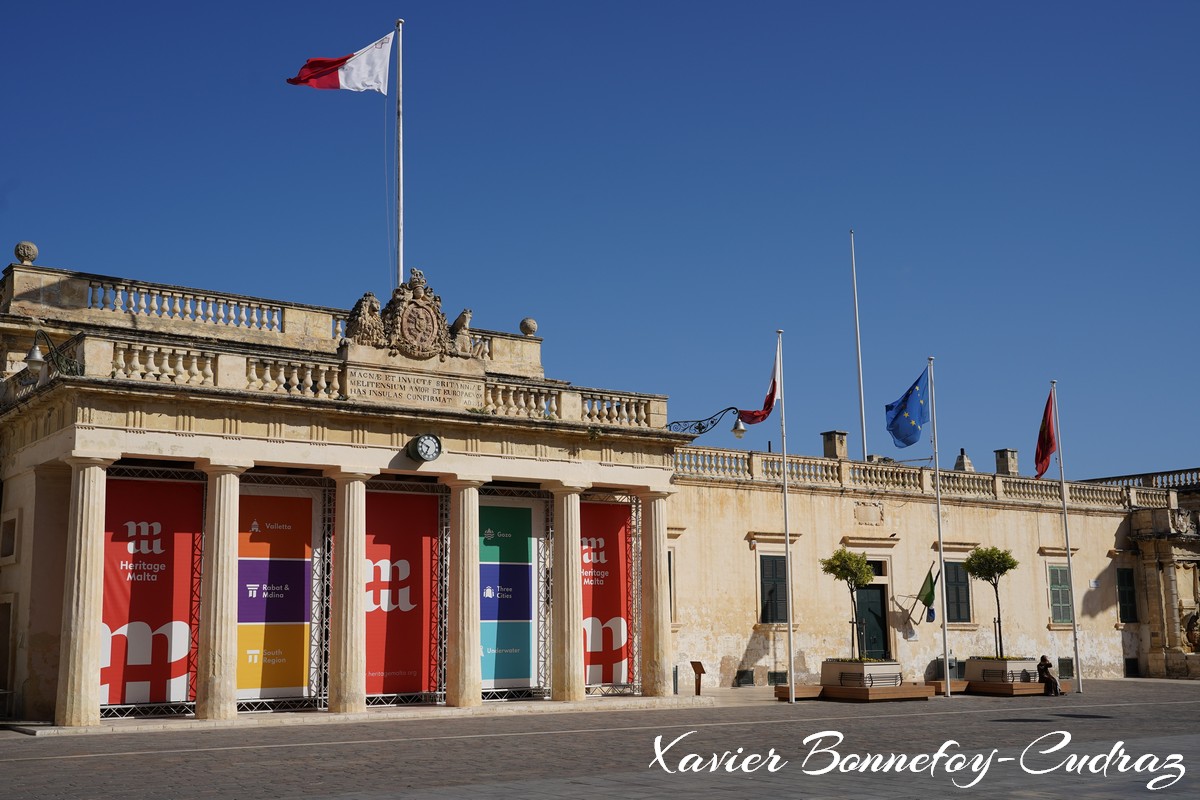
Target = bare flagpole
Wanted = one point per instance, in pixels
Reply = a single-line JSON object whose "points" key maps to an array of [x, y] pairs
{"points": [[1062, 482], [787, 539], [862, 408], [937, 490], [399, 158]]}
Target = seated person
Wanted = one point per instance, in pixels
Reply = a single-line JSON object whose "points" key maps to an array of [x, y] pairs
{"points": [[1046, 675]]}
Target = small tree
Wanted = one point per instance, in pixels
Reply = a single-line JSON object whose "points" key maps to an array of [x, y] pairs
{"points": [[991, 564], [855, 570]]}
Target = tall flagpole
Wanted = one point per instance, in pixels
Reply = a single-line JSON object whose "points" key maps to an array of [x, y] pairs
{"points": [[399, 157], [787, 539], [1062, 482], [937, 491], [862, 408]]}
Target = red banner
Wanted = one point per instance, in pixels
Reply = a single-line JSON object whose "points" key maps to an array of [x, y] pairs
{"points": [[606, 601], [401, 601], [152, 533]]}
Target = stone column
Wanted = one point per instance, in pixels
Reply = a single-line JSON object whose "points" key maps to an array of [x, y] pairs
{"points": [[464, 674], [217, 655], [1155, 617], [656, 658], [78, 701], [566, 660], [348, 613], [1172, 624]]}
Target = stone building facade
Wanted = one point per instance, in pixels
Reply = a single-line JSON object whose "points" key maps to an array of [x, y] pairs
{"points": [[215, 503]]}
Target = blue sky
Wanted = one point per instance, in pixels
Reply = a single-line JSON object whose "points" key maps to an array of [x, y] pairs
{"points": [[663, 184]]}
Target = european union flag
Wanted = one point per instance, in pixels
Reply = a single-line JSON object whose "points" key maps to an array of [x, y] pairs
{"points": [[906, 416]]}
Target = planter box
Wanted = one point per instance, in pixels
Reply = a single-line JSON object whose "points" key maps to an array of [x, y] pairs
{"points": [[861, 674], [1001, 670]]}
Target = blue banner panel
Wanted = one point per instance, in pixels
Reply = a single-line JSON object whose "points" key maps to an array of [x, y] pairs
{"points": [[505, 592]]}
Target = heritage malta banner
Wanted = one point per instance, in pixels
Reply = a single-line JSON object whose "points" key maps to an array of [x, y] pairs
{"points": [[605, 529], [274, 595], [152, 533], [401, 589]]}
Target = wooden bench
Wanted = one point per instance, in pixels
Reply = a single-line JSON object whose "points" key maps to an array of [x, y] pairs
{"points": [[871, 680], [956, 686], [1009, 676], [872, 694], [802, 691], [1016, 689]]}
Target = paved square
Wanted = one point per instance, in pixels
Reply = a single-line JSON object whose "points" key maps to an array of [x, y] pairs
{"points": [[612, 753]]}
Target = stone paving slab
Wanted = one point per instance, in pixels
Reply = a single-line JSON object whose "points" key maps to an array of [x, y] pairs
{"points": [[575, 755]]}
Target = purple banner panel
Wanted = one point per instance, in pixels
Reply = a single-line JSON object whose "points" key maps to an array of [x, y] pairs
{"points": [[274, 590]]}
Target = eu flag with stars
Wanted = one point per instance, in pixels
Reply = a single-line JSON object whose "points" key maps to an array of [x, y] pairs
{"points": [[906, 416]]}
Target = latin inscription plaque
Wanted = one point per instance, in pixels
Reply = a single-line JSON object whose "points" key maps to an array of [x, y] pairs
{"points": [[413, 389]]}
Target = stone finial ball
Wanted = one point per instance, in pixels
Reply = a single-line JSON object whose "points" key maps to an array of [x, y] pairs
{"points": [[529, 326], [26, 252]]}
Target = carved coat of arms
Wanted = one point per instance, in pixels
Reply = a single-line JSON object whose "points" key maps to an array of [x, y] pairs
{"points": [[412, 323]]}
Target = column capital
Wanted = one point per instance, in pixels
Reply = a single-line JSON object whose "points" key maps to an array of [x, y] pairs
{"points": [[349, 473], [464, 481], [90, 458], [209, 467], [652, 494], [559, 487]]}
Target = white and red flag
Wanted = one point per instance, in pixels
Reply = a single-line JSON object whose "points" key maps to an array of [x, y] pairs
{"points": [[773, 394], [364, 71]]}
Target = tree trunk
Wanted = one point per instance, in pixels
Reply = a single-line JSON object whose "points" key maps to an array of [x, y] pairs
{"points": [[999, 622], [858, 634]]}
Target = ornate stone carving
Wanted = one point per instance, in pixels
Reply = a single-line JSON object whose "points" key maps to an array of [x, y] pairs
{"points": [[1183, 521], [412, 323], [26, 252], [364, 325]]}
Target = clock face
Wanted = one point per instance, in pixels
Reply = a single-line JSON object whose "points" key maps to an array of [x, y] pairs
{"points": [[427, 447]]}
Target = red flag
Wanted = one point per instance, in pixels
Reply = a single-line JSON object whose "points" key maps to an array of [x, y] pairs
{"points": [[1047, 443], [755, 417]]}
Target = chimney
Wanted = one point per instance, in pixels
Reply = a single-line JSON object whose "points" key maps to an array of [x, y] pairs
{"points": [[835, 444], [963, 462], [1006, 462]]}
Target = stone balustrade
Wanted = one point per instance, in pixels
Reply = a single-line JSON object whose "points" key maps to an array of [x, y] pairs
{"points": [[146, 299], [67, 297], [604, 408], [179, 365], [294, 377], [1174, 479], [520, 400], [161, 359], [886, 476], [703, 463]]}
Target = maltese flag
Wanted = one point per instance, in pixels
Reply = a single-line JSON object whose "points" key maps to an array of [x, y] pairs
{"points": [[363, 71], [773, 394]]}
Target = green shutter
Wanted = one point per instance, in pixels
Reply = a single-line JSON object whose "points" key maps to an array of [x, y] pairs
{"points": [[773, 588], [1126, 597], [1060, 595], [958, 593]]}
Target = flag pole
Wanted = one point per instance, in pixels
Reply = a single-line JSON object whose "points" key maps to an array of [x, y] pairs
{"points": [[399, 158], [1062, 482], [937, 491], [862, 408], [787, 539]]}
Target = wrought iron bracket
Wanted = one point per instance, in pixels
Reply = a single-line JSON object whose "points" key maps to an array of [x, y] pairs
{"points": [[62, 364], [699, 426]]}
